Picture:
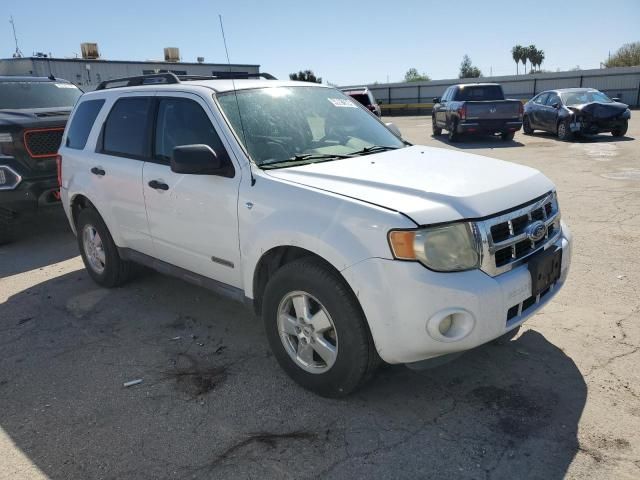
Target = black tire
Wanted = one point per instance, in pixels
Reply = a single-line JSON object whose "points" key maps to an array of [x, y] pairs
{"points": [[507, 136], [564, 131], [116, 271], [436, 131], [507, 337], [356, 359], [622, 131], [6, 234], [453, 133], [526, 126]]}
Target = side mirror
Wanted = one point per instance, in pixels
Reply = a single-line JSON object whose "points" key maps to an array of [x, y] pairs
{"points": [[197, 160], [394, 129], [436, 99], [555, 105], [616, 99]]}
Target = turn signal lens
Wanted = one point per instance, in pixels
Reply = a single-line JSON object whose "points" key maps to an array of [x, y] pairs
{"points": [[402, 244]]}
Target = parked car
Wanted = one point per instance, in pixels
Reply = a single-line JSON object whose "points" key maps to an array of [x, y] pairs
{"points": [[33, 113], [352, 244], [476, 108], [570, 111], [364, 96]]}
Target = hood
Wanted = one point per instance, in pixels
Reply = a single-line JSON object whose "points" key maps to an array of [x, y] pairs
{"points": [[428, 184], [599, 110], [32, 116]]}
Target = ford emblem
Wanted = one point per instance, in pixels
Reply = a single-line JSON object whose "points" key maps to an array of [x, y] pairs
{"points": [[536, 231]]}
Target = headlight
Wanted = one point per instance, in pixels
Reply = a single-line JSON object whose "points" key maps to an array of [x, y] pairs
{"points": [[447, 248]]}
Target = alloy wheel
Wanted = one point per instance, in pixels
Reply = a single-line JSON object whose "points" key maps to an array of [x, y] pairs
{"points": [[307, 332]]}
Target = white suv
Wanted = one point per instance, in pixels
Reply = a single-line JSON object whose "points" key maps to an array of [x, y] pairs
{"points": [[352, 244]]}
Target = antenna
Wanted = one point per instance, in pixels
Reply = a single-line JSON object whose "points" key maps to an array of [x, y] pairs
{"points": [[18, 53], [235, 93]]}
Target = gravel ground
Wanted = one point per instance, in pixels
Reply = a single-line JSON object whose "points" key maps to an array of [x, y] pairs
{"points": [[561, 400]]}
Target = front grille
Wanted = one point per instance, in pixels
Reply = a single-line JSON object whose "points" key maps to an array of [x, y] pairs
{"points": [[506, 242], [43, 142]]}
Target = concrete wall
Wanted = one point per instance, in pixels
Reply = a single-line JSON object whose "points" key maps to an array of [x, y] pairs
{"points": [[416, 97], [88, 73]]}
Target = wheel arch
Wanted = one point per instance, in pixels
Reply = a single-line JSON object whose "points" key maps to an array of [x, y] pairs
{"points": [[274, 259]]}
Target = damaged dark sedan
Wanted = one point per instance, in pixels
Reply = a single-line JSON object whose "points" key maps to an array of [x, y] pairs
{"points": [[573, 111]]}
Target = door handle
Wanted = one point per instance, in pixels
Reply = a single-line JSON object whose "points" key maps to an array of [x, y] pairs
{"points": [[156, 185], [98, 171]]}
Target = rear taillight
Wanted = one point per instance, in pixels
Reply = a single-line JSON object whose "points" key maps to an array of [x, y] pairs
{"points": [[462, 112], [520, 110], [59, 166]]}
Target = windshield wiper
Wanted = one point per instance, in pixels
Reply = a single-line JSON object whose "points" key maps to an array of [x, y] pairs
{"points": [[374, 149], [304, 158]]}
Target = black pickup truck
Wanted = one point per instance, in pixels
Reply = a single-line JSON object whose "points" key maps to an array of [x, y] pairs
{"points": [[476, 108], [33, 114]]}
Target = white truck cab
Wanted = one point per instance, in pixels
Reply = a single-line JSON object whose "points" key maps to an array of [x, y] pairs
{"points": [[353, 245]]}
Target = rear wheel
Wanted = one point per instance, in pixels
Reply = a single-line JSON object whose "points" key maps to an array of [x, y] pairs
{"points": [[453, 133], [316, 329], [564, 131], [507, 136], [435, 129], [621, 131], [99, 252], [526, 126]]}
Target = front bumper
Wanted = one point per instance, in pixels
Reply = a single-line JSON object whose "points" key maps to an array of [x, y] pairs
{"points": [[28, 196], [401, 299], [492, 126], [594, 126]]}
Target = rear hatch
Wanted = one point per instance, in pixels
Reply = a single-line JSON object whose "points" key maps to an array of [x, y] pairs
{"points": [[493, 110]]}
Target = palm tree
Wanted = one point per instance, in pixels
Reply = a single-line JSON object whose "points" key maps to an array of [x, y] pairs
{"points": [[539, 58], [516, 54], [529, 54]]}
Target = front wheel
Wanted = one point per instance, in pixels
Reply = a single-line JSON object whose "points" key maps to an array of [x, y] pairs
{"points": [[621, 131], [564, 131], [99, 252], [435, 129], [316, 329], [526, 126]]}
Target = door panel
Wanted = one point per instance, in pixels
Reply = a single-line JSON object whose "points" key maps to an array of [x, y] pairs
{"points": [[192, 218], [115, 178]]}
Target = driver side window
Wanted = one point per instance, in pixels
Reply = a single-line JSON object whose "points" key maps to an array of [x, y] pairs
{"points": [[553, 98], [180, 122]]}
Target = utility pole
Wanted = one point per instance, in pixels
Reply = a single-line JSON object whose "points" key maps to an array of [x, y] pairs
{"points": [[18, 53]]}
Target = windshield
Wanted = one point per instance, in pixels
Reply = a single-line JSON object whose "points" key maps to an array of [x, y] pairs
{"points": [[19, 95], [580, 98], [283, 123]]}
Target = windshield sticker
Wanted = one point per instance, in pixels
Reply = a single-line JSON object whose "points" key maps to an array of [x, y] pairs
{"points": [[64, 85], [342, 102]]}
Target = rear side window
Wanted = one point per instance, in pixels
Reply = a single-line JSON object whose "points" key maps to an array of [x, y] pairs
{"points": [[553, 98], [126, 131], [540, 99], [182, 122], [82, 123], [480, 93]]}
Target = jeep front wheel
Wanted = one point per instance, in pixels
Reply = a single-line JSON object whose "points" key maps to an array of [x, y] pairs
{"points": [[317, 330]]}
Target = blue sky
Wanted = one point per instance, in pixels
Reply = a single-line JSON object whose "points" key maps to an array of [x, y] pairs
{"points": [[344, 42]]}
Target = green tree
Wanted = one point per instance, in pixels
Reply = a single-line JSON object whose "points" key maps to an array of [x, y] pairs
{"points": [[412, 75], [467, 70], [628, 55], [305, 76], [517, 53], [536, 57]]}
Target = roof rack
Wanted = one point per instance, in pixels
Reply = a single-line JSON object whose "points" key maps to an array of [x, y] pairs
{"points": [[171, 78]]}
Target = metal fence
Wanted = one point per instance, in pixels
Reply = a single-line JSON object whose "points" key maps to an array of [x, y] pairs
{"points": [[411, 98]]}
